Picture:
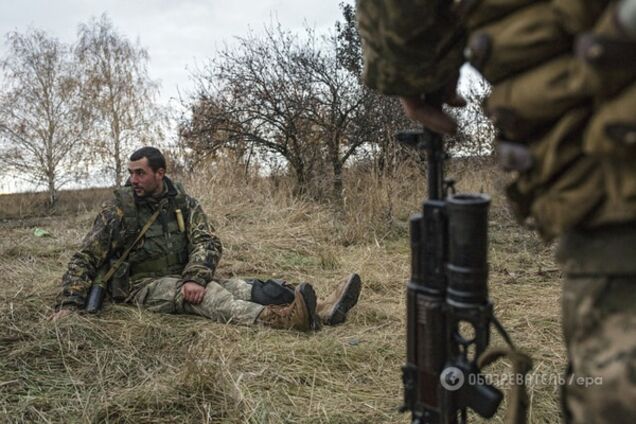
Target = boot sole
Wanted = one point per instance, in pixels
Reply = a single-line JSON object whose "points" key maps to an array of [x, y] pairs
{"points": [[309, 297], [347, 301]]}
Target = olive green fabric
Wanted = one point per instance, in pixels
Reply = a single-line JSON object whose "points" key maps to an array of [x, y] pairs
{"points": [[520, 41], [603, 54], [483, 12], [574, 15], [164, 249], [527, 104], [565, 186], [606, 250], [612, 131], [579, 15]]}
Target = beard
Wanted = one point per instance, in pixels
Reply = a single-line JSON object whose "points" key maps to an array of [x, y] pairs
{"points": [[147, 191]]}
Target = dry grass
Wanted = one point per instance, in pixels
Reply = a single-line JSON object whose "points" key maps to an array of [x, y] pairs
{"points": [[127, 365]]}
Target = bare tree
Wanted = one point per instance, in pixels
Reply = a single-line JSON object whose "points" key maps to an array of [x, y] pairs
{"points": [[122, 92], [284, 93], [339, 108], [43, 117], [205, 134], [254, 94]]}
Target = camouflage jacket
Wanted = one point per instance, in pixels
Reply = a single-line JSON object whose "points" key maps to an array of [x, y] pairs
{"points": [[563, 97], [108, 239], [409, 47]]}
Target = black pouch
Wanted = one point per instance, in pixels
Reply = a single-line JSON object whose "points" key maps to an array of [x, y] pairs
{"points": [[120, 283], [271, 292]]}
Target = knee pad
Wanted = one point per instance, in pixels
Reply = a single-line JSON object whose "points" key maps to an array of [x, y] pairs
{"points": [[271, 292]]}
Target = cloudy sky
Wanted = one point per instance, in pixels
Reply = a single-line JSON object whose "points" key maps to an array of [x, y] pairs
{"points": [[177, 33]]}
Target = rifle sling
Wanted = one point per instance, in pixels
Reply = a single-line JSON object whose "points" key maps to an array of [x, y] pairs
{"points": [[518, 401]]}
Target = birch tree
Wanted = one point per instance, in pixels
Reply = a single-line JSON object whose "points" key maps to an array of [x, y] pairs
{"points": [[123, 94], [43, 116]]}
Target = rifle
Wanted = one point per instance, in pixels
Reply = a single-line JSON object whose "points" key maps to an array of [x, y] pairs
{"points": [[448, 310]]}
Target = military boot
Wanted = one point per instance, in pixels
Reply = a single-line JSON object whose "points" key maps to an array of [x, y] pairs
{"points": [[298, 315], [333, 310]]}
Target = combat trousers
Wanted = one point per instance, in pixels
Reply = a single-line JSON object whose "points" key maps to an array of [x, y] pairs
{"points": [[599, 325], [225, 301]]}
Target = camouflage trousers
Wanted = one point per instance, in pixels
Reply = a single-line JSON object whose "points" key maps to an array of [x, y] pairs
{"points": [[599, 327], [599, 323], [225, 301]]}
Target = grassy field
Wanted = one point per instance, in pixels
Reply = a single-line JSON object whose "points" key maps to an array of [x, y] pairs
{"points": [[71, 202], [131, 366]]}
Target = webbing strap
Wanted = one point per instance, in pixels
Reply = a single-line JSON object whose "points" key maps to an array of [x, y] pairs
{"points": [[123, 257], [518, 401]]}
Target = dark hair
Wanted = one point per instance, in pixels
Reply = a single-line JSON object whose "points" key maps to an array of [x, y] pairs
{"points": [[154, 156]]}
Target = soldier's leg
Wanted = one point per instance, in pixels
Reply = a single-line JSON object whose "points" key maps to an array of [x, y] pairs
{"points": [[599, 322], [219, 304], [240, 288], [162, 295], [332, 310], [157, 295], [263, 292], [270, 292]]}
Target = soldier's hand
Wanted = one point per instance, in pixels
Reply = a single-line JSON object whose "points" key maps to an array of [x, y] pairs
{"points": [[192, 292], [60, 314], [428, 109]]}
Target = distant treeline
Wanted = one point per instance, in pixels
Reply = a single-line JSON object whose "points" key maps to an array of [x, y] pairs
{"points": [[69, 202]]}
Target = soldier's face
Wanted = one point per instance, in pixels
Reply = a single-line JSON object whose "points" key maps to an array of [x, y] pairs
{"points": [[144, 180]]}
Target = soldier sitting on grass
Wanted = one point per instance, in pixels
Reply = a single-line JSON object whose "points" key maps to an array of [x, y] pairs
{"points": [[172, 257]]}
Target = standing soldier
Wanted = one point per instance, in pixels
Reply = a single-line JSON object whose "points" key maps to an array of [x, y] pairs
{"points": [[564, 103], [163, 254]]}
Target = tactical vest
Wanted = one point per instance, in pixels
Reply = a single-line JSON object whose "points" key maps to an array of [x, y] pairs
{"points": [[564, 101], [163, 250]]}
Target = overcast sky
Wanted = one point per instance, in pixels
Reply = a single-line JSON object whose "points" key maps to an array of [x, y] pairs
{"points": [[177, 33]]}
